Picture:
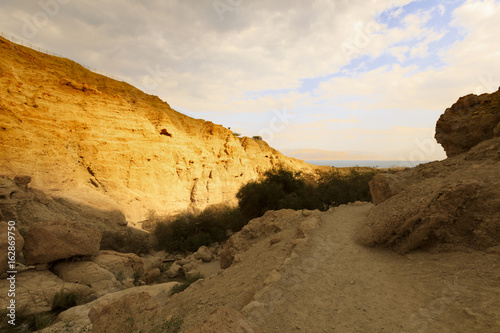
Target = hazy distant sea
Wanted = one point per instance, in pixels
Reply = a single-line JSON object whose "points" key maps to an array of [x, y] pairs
{"points": [[372, 164]]}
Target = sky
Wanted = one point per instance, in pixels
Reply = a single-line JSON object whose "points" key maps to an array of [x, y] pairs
{"points": [[341, 75]]}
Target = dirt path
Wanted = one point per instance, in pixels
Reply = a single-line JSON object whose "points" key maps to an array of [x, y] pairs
{"points": [[334, 285]]}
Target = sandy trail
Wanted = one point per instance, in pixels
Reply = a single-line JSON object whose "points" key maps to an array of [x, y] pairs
{"points": [[332, 284]]}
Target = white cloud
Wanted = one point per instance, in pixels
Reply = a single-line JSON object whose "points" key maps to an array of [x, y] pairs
{"points": [[183, 52]]}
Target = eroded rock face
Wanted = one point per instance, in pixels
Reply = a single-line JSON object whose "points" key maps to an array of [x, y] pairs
{"points": [[268, 225], [35, 290], [471, 120], [105, 139], [383, 186], [455, 201], [100, 280], [27, 206], [49, 242]]}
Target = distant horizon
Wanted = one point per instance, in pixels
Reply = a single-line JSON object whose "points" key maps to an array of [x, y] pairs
{"points": [[368, 163]]}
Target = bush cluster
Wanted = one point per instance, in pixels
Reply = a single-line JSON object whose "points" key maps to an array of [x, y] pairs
{"points": [[129, 241], [278, 189], [281, 188], [188, 231]]}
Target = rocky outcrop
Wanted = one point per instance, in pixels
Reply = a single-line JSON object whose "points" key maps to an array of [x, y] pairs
{"points": [[49, 242], [27, 206], [225, 320], [100, 280], [126, 267], [269, 225], [35, 290], [454, 201], [471, 120], [15, 242], [120, 311], [383, 186], [100, 143]]}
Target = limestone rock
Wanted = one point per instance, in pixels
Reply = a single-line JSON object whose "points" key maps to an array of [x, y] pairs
{"points": [[225, 320], [122, 265], [270, 224], [4, 245], [204, 254], [100, 314], [100, 280], [174, 270], [35, 290], [48, 242], [383, 186], [28, 206], [453, 201], [471, 120], [100, 164]]}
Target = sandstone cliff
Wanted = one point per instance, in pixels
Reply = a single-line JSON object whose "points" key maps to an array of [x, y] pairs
{"points": [[102, 143]]}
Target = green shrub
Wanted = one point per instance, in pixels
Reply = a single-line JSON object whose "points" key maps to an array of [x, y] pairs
{"points": [[129, 241], [64, 300], [184, 285], [337, 189], [173, 325], [285, 189], [278, 189], [188, 232]]}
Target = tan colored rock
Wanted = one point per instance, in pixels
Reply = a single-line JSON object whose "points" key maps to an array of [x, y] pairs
{"points": [[270, 224], [383, 186], [453, 202], [35, 290], [7, 245], [28, 206], [471, 120], [127, 159], [174, 270], [152, 275], [204, 254], [100, 315], [122, 265], [88, 273], [307, 225], [225, 320], [22, 181], [48, 242]]}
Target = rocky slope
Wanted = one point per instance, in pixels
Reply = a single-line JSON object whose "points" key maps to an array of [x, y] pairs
{"points": [[97, 142], [300, 271], [455, 202]]}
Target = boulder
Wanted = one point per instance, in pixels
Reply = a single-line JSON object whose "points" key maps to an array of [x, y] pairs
{"points": [[452, 202], [35, 290], [4, 245], [48, 242], [204, 253], [88, 273], [122, 265], [174, 270], [270, 224], [471, 120], [22, 181], [225, 320], [383, 186], [135, 304]]}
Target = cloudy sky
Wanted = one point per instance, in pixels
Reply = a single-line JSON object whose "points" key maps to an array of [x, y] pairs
{"points": [[340, 75]]}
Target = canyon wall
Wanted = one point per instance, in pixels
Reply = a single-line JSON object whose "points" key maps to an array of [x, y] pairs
{"points": [[102, 143]]}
